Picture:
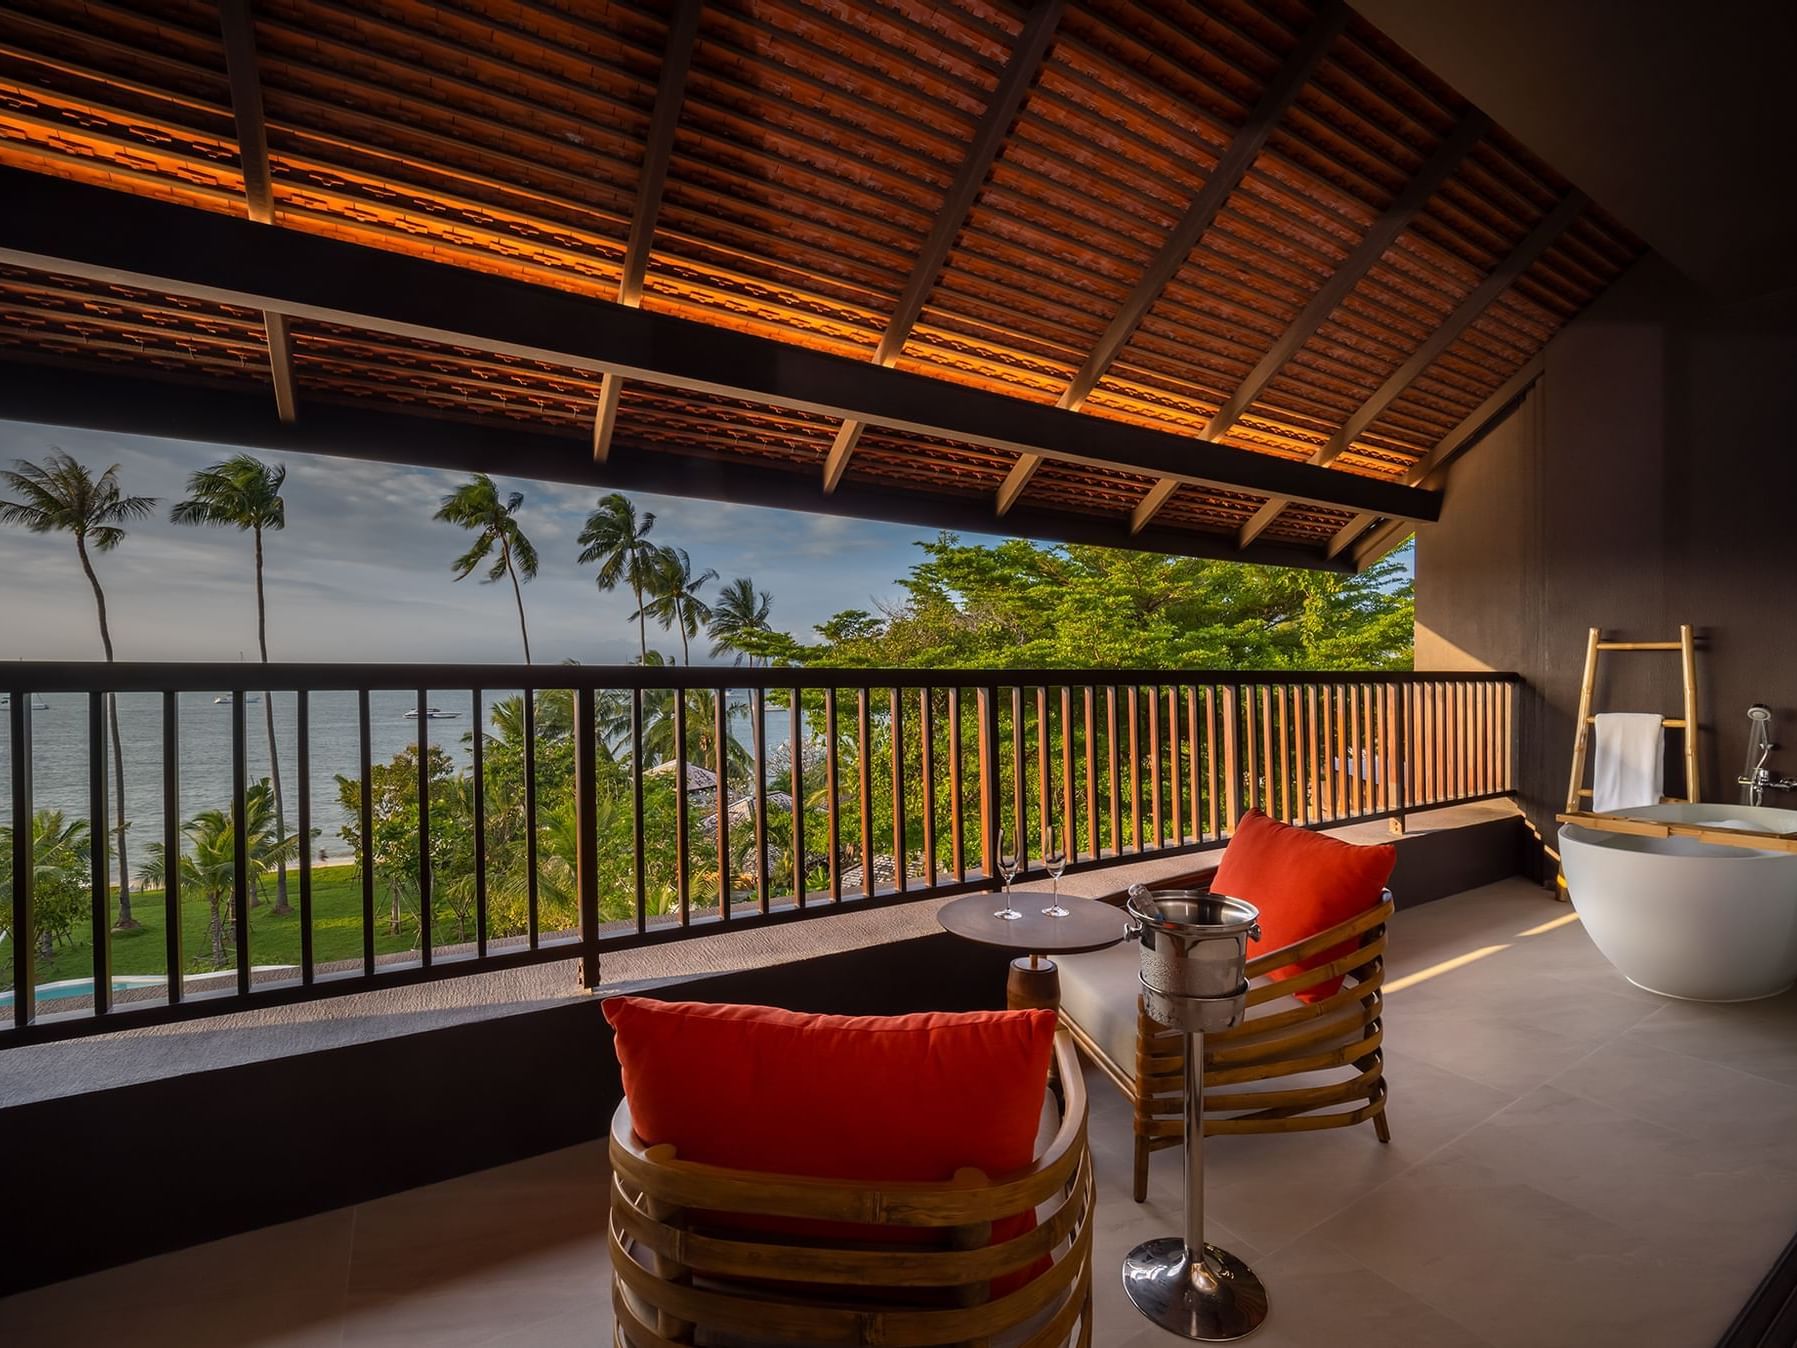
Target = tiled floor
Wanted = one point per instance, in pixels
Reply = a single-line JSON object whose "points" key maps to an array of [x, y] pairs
{"points": [[1574, 1162]]}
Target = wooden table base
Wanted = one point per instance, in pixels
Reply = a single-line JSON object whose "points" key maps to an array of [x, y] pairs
{"points": [[1033, 985]]}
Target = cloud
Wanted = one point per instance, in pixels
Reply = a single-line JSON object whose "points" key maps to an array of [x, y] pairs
{"points": [[362, 571]]}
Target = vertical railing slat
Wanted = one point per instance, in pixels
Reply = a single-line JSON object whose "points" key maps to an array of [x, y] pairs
{"points": [[1067, 830], [1044, 815], [1294, 696], [1019, 794], [1251, 746], [991, 808], [1232, 771], [1267, 766], [1113, 758], [365, 763], [833, 787], [864, 782], [240, 858], [957, 816], [100, 888], [1174, 775], [302, 743], [1157, 819], [1192, 765], [175, 954], [531, 880], [424, 829], [640, 860], [682, 860], [1088, 722], [926, 760], [24, 867], [1281, 699], [758, 738], [478, 737], [586, 832], [895, 712], [796, 770], [1213, 812], [720, 798], [1135, 769]]}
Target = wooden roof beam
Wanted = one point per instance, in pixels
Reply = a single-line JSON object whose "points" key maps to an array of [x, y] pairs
{"points": [[242, 71], [1034, 40], [1505, 275], [62, 226], [230, 414], [1372, 246], [1230, 169], [658, 152], [1430, 471]]}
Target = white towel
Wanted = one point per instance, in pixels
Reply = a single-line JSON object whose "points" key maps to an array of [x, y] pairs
{"points": [[1630, 767]]}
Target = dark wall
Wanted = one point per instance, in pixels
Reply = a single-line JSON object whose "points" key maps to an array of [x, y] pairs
{"points": [[1648, 481]]}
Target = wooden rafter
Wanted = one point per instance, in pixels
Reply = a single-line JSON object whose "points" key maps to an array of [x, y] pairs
{"points": [[1431, 470], [393, 433], [98, 234], [658, 151], [241, 68], [1540, 239], [1372, 246], [280, 363], [1031, 49], [1224, 179]]}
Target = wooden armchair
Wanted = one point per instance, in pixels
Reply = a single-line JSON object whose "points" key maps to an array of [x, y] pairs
{"points": [[1288, 1067], [705, 1255]]}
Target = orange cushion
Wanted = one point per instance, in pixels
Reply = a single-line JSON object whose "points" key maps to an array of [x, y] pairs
{"points": [[1303, 883], [913, 1097]]}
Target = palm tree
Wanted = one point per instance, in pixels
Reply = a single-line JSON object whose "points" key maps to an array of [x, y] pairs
{"points": [[59, 870], [61, 496], [208, 864], [739, 612], [245, 494], [476, 505], [619, 542], [675, 598]]}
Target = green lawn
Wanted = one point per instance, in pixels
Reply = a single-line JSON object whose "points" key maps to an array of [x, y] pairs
{"points": [[336, 923]]}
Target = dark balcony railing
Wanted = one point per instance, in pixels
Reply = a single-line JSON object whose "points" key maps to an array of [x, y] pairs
{"points": [[543, 813]]}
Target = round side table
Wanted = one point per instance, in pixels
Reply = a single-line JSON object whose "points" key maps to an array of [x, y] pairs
{"points": [[1034, 980]]}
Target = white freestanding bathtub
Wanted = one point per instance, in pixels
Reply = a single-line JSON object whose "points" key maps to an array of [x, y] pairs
{"points": [[1685, 918]]}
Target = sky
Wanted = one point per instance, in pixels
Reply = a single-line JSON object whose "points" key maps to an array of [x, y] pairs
{"points": [[362, 572]]}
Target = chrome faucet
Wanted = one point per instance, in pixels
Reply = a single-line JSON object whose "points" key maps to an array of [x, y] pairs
{"points": [[1757, 779]]}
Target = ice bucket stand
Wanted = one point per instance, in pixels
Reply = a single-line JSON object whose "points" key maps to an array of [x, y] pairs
{"points": [[1192, 981]]}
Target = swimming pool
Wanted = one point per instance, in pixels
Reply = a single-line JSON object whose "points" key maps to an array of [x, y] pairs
{"points": [[84, 987]]}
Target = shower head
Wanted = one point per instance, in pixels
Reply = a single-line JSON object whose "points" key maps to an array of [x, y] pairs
{"points": [[1760, 712]]}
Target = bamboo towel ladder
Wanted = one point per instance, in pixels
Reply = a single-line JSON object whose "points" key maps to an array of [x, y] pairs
{"points": [[1595, 646]]}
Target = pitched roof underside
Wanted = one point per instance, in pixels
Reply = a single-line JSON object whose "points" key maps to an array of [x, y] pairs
{"points": [[815, 148]]}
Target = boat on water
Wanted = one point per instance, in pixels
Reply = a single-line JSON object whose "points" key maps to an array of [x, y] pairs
{"points": [[6, 701], [432, 714], [227, 699]]}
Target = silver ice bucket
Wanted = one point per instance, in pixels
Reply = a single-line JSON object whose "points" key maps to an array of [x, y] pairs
{"points": [[1194, 947]]}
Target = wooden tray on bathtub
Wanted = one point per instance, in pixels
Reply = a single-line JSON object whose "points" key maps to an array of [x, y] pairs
{"points": [[1672, 828]]}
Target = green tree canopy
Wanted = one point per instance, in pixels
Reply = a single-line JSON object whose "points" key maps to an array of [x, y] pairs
{"points": [[1020, 605]]}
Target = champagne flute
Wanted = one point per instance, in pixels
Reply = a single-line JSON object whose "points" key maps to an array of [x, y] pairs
{"points": [[1008, 861], [1054, 859]]}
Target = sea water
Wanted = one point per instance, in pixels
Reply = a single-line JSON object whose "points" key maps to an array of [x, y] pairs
{"points": [[59, 750]]}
